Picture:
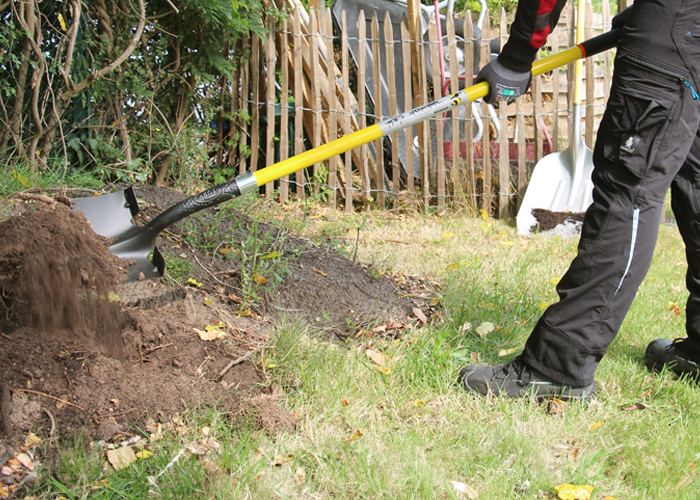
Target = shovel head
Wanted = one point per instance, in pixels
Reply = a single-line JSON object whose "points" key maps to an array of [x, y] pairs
{"points": [[110, 216], [560, 182]]}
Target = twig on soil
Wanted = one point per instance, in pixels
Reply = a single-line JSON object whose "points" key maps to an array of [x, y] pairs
{"points": [[36, 197], [6, 336], [151, 349], [53, 422], [51, 397], [212, 275], [373, 240], [239, 361]]}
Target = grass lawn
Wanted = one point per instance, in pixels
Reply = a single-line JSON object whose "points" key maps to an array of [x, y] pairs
{"points": [[405, 429]]}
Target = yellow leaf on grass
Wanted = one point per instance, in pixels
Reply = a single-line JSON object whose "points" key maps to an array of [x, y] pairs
{"points": [[448, 235], [385, 371], [211, 328], [271, 255], [595, 425], [19, 177], [418, 403], [483, 214], [555, 281], [259, 279], [194, 282], [454, 266], [507, 243], [506, 352], [144, 454], [355, 435], [573, 492], [542, 306]]}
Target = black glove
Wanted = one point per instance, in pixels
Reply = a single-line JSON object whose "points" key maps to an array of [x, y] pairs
{"points": [[621, 18], [504, 83]]}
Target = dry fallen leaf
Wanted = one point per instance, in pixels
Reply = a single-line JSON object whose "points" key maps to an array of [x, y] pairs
{"points": [[506, 352], [301, 475], [25, 460], [674, 308], [484, 329], [465, 489], [419, 314], [259, 279], [121, 457], [281, 459], [573, 492], [210, 335], [635, 406], [31, 440], [355, 435], [555, 407], [377, 357], [345, 402]]}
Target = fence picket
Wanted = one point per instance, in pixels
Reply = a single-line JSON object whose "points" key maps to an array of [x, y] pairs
{"points": [[391, 82], [408, 104], [298, 101], [379, 143], [284, 106]]}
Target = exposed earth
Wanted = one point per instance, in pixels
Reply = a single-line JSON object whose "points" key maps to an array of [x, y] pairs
{"points": [[82, 352]]}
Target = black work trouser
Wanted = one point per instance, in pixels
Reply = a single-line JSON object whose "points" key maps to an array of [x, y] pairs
{"points": [[647, 141]]}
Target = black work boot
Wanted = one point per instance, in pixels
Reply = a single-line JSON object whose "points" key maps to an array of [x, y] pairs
{"points": [[515, 379], [663, 352]]}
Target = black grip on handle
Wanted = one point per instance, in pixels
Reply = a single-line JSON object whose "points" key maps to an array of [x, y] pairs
{"points": [[601, 43], [205, 199]]}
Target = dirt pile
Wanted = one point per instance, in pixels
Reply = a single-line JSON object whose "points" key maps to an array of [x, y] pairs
{"points": [[56, 273], [185, 344]]}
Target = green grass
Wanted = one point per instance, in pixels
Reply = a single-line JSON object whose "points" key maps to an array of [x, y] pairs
{"points": [[419, 431]]}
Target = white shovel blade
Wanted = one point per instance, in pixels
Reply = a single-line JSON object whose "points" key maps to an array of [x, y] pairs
{"points": [[554, 186]]}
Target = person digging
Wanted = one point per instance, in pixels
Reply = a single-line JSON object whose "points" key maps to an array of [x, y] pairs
{"points": [[648, 141]]}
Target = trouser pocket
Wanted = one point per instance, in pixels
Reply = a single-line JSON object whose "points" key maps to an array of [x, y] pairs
{"points": [[642, 104]]}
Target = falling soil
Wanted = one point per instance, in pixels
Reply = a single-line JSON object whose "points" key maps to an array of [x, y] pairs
{"points": [[82, 352], [548, 220]]}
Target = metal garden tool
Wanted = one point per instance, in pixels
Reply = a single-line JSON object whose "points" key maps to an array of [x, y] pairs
{"points": [[561, 181], [110, 215]]}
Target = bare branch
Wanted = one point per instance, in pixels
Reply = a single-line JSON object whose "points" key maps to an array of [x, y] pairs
{"points": [[136, 39]]}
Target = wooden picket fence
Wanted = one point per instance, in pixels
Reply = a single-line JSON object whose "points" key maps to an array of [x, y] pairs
{"points": [[301, 88]]}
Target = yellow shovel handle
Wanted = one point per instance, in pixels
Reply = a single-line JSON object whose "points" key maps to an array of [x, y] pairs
{"points": [[251, 181]]}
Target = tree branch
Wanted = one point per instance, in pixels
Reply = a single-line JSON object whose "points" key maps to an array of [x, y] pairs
{"points": [[135, 40]]}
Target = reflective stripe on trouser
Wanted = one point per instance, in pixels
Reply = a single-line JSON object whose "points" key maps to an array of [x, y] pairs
{"points": [[644, 138]]}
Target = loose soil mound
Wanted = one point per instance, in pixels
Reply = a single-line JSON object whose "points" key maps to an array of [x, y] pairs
{"points": [[60, 372], [547, 220]]}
